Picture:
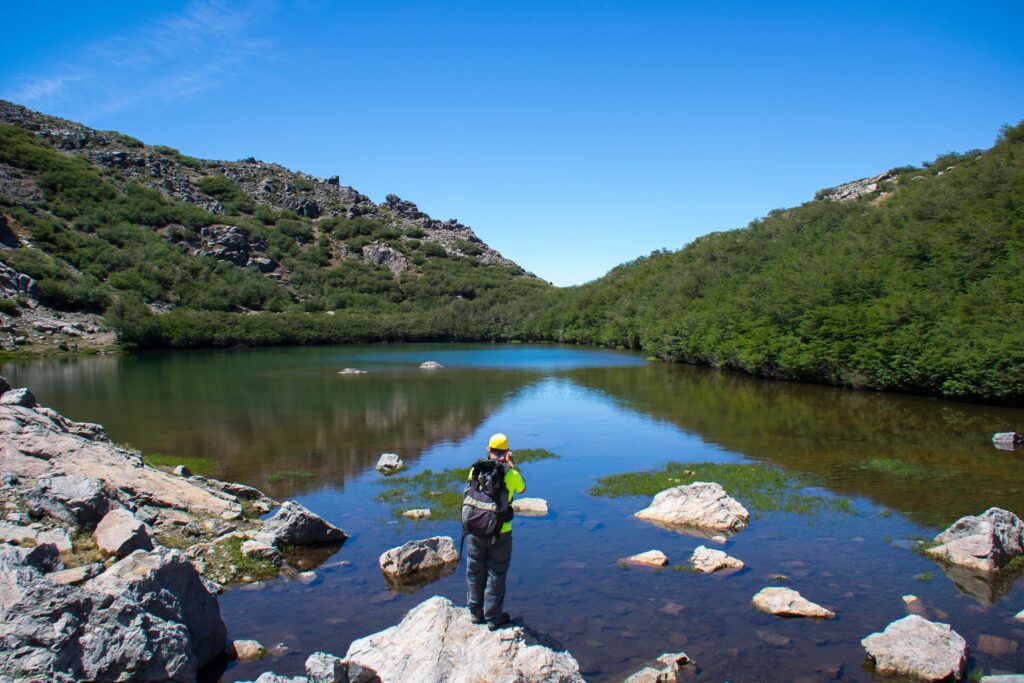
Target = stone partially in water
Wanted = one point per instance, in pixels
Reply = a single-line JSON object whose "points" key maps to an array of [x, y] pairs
{"points": [[700, 505], [786, 602], [293, 524], [436, 642], [419, 513], [530, 507], [247, 650], [709, 560], [653, 558], [419, 556], [1007, 440], [389, 463], [984, 543], [918, 648], [915, 605], [674, 667], [430, 365]]}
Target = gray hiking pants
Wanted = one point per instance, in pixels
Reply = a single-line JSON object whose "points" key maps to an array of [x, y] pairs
{"points": [[486, 569]]}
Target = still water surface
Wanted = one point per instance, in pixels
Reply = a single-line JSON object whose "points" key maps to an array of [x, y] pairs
{"points": [[260, 414]]}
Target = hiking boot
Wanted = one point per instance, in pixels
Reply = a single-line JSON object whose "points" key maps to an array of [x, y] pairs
{"points": [[476, 617], [500, 621]]}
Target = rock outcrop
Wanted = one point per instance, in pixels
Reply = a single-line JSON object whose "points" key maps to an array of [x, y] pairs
{"points": [[786, 602], [700, 505], [918, 648], [708, 560], [436, 642], [984, 543]]}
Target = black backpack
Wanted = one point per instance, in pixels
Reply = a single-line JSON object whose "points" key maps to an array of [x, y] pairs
{"points": [[485, 504]]}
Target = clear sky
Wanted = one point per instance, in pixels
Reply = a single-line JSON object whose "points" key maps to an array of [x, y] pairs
{"points": [[572, 136]]}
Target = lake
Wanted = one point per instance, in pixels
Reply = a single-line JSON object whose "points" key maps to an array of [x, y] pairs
{"points": [[284, 421]]}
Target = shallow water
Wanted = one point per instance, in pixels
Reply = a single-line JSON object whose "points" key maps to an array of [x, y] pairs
{"points": [[908, 465]]}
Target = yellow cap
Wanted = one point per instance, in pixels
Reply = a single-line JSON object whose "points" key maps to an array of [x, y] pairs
{"points": [[498, 442]]}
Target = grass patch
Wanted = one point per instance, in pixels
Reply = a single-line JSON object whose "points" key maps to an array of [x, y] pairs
{"points": [[281, 475], [900, 468], [84, 551], [759, 488], [177, 541], [197, 464], [533, 455], [229, 553]]}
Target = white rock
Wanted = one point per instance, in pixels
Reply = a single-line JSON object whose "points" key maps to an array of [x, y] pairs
{"points": [[419, 556], [700, 505], [351, 371], [654, 558], [786, 602], [77, 575], [1003, 678], [918, 648], [322, 667], [120, 533], [431, 365], [436, 642], [389, 462], [1007, 440], [16, 533], [419, 513], [248, 650], [709, 560], [984, 543], [530, 507]]}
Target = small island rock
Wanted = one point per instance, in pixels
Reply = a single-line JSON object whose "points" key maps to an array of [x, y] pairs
{"points": [[419, 556], [984, 543], [351, 371], [419, 513], [430, 365], [654, 558], [1007, 440], [702, 505], [530, 507], [389, 463], [293, 524], [248, 650], [436, 641], [668, 668], [708, 560], [918, 648], [786, 602]]}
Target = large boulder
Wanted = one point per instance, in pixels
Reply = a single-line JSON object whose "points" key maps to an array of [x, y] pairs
{"points": [[984, 543], [120, 533], [293, 524], [418, 557], [786, 602], [918, 648], [166, 583], [436, 642], [74, 499], [52, 632], [708, 560], [700, 505]]}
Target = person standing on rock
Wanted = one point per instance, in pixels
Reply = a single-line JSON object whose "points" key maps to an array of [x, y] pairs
{"points": [[487, 523]]}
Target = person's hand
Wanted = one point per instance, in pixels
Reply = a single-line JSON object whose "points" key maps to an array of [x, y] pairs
{"points": [[508, 459]]}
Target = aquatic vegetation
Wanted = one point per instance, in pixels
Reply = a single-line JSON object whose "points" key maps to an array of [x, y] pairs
{"points": [[197, 464], [901, 468], [924, 576], [227, 562], [533, 455], [281, 475], [759, 488]]}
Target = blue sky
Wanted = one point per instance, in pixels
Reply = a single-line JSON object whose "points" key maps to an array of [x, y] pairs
{"points": [[572, 136]]}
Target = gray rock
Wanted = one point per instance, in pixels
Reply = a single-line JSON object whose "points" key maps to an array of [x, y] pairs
{"points": [[708, 560], [326, 668], [226, 243], [76, 575], [182, 471], [700, 505], [74, 499], [60, 633], [674, 667], [918, 648], [388, 463], [418, 513], [984, 543], [436, 642], [293, 524], [1007, 440], [43, 557], [419, 556], [9, 479], [271, 677], [5, 386], [786, 602], [263, 264], [19, 397], [120, 533], [261, 551], [247, 650], [166, 583]]}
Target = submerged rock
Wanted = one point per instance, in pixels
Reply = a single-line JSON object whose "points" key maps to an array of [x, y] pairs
{"points": [[293, 524], [708, 560], [654, 558], [668, 668], [530, 507], [984, 543], [918, 648], [436, 642], [699, 505], [786, 602], [120, 533], [420, 556], [389, 463]]}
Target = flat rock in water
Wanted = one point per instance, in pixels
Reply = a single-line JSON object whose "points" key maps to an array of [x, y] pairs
{"points": [[419, 556], [248, 650], [709, 560], [915, 605], [530, 507], [700, 505], [351, 371], [1007, 440], [436, 642], [918, 648], [430, 365], [389, 462], [120, 533], [984, 543], [419, 513], [786, 602], [654, 558], [293, 524], [667, 668]]}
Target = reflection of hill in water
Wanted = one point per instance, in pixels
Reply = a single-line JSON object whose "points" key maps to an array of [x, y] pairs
{"points": [[949, 467], [260, 414]]}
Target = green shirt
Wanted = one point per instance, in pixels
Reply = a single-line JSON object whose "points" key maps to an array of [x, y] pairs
{"points": [[515, 484]]}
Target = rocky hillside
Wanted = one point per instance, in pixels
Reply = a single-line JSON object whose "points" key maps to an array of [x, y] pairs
{"points": [[91, 218]]}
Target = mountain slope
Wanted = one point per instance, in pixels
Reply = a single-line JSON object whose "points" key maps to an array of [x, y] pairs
{"points": [[911, 281], [99, 219]]}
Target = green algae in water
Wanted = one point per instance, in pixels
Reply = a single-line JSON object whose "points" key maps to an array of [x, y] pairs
{"points": [[281, 475], [763, 489]]}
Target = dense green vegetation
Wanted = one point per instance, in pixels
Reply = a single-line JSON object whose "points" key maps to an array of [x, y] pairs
{"points": [[918, 291]]}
